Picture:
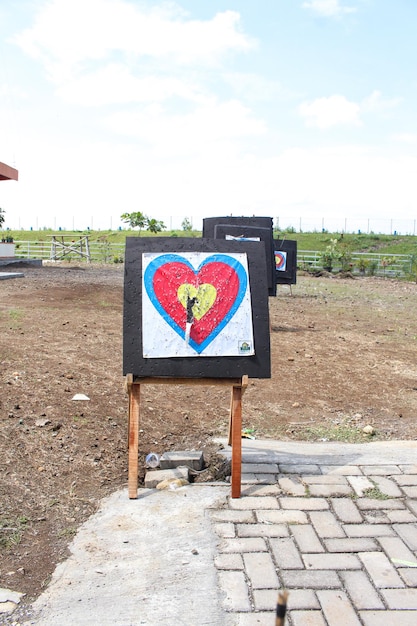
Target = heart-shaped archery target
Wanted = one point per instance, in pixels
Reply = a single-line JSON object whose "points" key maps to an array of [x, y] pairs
{"points": [[217, 286]]}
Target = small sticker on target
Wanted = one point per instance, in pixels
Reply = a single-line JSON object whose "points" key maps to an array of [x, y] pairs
{"points": [[246, 348]]}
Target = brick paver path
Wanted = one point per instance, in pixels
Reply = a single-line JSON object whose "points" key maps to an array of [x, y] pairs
{"points": [[342, 539]]}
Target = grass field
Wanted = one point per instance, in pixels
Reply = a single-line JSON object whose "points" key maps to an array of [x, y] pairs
{"points": [[364, 242]]}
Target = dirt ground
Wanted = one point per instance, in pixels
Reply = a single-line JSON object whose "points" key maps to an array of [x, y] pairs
{"points": [[344, 357]]}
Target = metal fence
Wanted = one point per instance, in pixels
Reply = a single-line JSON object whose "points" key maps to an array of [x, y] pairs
{"points": [[100, 251], [360, 263], [391, 226]]}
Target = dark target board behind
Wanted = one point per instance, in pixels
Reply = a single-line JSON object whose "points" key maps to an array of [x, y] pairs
{"points": [[285, 254], [242, 228]]}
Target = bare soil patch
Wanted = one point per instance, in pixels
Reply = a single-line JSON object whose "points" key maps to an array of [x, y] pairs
{"points": [[344, 356]]}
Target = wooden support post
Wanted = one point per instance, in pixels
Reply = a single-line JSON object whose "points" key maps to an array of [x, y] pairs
{"points": [[235, 435], [133, 452], [236, 414]]}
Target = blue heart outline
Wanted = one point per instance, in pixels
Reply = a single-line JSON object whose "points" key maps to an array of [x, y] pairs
{"points": [[215, 258]]}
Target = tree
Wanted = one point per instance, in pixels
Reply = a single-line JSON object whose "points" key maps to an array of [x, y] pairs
{"points": [[2, 218], [187, 224], [155, 226], [135, 219]]}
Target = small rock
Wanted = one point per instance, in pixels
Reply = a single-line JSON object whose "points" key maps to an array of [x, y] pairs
{"points": [[42, 422], [172, 484], [295, 405], [368, 430]]}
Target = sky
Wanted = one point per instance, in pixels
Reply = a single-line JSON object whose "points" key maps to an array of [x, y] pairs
{"points": [[300, 110]]}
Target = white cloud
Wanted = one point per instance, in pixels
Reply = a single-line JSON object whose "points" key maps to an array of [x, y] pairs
{"points": [[328, 8], [256, 88], [209, 129], [410, 138], [115, 84], [375, 102], [69, 34], [11, 91], [332, 111], [337, 110]]}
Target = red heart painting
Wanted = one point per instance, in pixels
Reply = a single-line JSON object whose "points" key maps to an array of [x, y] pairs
{"points": [[207, 297]]}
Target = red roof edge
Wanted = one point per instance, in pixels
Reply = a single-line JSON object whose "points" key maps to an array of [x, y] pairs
{"points": [[8, 173]]}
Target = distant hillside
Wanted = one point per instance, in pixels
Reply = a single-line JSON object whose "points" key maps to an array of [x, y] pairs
{"points": [[364, 242]]}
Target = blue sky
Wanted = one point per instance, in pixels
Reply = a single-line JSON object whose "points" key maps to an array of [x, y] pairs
{"points": [[302, 110]]}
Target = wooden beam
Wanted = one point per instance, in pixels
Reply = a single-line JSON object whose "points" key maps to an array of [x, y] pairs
{"points": [[236, 424], [162, 380], [133, 452]]}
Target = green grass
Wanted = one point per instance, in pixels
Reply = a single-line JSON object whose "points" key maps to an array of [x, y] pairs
{"points": [[11, 531], [15, 315], [365, 242], [340, 432], [101, 236], [375, 493]]}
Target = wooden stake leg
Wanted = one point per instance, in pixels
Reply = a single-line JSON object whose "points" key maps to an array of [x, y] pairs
{"points": [[133, 462], [236, 436]]}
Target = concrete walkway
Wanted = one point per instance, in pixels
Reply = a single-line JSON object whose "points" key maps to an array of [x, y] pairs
{"points": [[335, 524]]}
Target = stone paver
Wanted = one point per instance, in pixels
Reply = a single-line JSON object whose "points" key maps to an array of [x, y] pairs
{"points": [[304, 504], [338, 561], [360, 484], [387, 486], [346, 558], [262, 530], [351, 544], [307, 618], [292, 486], [408, 533], [361, 591], [400, 598], [337, 608], [402, 618], [307, 539], [326, 525], [234, 587], [260, 570], [346, 510], [380, 570], [395, 549], [253, 502], [286, 554]]}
